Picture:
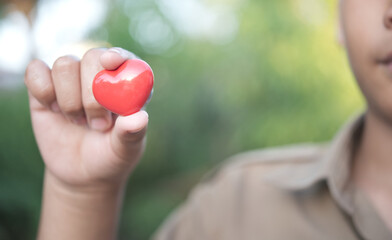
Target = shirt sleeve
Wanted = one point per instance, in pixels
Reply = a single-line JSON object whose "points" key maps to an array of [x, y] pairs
{"points": [[256, 195]]}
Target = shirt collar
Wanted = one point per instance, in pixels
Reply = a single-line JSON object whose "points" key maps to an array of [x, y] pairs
{"points": [[334, 167], [338, 162], [332, 164]]}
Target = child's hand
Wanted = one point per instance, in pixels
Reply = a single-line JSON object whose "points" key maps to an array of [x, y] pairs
{"points": [[82, 144]]}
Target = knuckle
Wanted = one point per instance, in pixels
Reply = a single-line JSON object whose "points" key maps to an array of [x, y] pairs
{"points": [[93, 53], [65, 63], [45, 92], [31, 74], [33, 64], [37, 80]]}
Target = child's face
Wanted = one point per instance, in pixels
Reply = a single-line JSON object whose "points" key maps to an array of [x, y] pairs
{"points": [[367, 36]]}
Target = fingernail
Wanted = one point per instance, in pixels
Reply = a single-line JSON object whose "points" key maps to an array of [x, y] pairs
{"points": [[55, 107], [118, 51], [99, 124]]}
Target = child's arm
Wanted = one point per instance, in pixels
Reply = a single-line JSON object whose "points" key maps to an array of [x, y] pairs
{"points": [[88, 153]]}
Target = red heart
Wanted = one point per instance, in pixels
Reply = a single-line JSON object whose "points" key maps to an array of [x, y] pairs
{"points": [[125, 90]]}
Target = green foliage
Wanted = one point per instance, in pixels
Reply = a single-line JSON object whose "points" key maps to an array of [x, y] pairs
{"points": [[282, 80], [21, 169]]}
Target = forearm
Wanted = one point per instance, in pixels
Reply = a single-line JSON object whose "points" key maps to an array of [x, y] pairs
{"points": [[91, 213]]}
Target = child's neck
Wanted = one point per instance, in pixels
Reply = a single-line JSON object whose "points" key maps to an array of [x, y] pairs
{"points": [[372, 169]]}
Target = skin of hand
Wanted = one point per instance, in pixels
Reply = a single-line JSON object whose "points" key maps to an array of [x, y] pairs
{"points": [[88, 152], [81, 143]]}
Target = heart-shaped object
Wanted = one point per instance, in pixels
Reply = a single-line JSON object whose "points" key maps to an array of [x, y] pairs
{"points": [[125, 90]]}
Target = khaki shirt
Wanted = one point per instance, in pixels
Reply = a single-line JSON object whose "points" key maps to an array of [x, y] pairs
{"points": [[297, 192]]}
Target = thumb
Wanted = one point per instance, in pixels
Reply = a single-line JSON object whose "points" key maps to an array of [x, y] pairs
{"points": [[112, 58], [128, 135]]}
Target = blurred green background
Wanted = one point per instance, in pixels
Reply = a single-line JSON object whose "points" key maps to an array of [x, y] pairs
{"points": [[280, 78]]}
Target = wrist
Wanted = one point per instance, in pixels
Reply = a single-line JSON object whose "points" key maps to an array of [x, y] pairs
{"points": [[78, 193], [92, 211], [80, 184]]}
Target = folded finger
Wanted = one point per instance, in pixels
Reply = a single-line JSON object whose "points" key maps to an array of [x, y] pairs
{"points": [[66, 80], [39, 83], [98, 117]]}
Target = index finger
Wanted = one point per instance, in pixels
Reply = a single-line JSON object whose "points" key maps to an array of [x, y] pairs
{"points": [[98, 117]]}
